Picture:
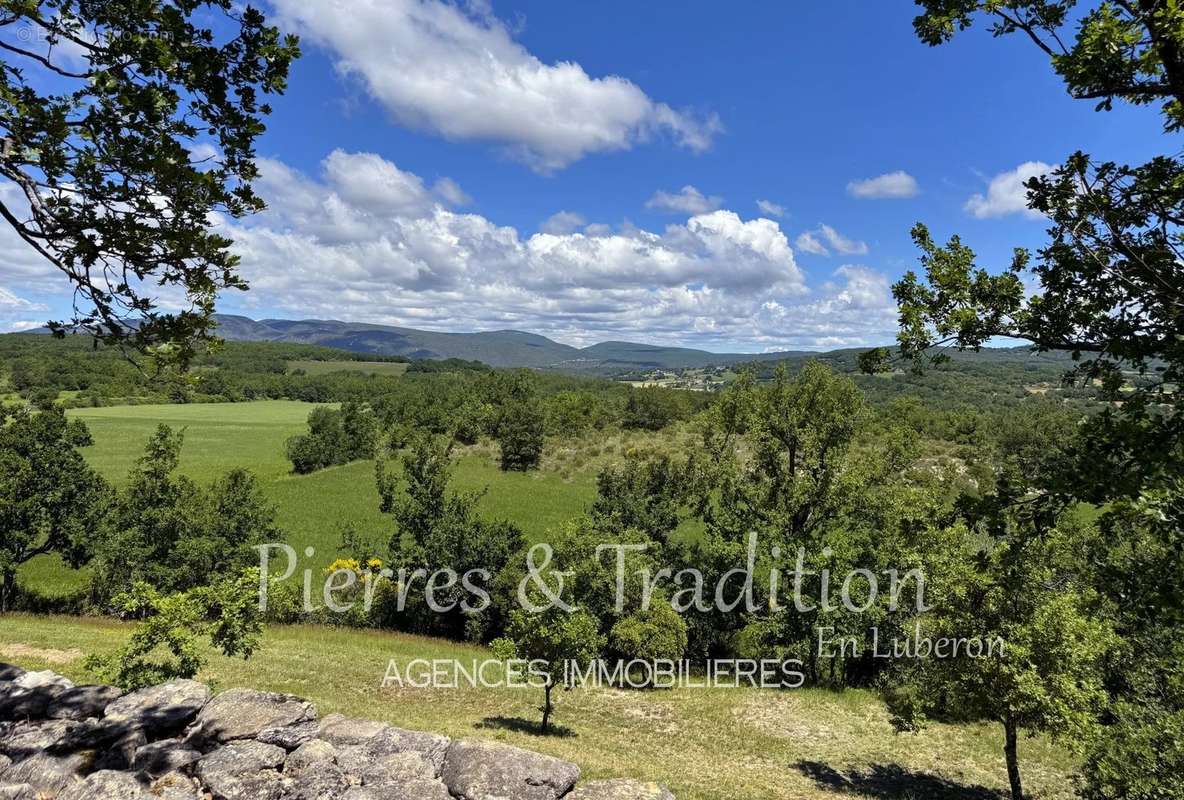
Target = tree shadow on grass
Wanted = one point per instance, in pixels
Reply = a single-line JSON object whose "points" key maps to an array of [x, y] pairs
{"points": [[527, 726], [893, 782]]}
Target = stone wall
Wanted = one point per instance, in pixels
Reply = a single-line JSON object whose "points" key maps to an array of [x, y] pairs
{"points": [[178, 741]]}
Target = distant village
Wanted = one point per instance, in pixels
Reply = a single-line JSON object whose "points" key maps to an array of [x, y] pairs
{"points": [[696, 379]]}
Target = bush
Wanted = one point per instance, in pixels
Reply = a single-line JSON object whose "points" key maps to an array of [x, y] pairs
{"points": [[1139, 757], [285, 603], [572, 413], [520, 436], [471, 420], [641, 494], [652, 409], [334, 437], [656, 634], [172, 534], [167, 644], [42, 398], [306, 453]]}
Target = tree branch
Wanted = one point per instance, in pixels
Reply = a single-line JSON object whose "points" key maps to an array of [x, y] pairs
{"points": [[1026, 28], [44, 61]]}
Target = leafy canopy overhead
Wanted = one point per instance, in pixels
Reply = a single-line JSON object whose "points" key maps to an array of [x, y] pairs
{"points": [[1127, 49], [1111, 278], [127, 127]]}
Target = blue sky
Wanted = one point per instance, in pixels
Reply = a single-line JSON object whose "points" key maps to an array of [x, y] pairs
{"points": [[607, 112]]}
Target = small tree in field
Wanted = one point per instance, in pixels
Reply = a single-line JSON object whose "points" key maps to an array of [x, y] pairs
{"points": [[169, 532], [1046, 675], [51, 501], [335, 436], [436, 526], [520, 436], [517, 420], [552, 638]]}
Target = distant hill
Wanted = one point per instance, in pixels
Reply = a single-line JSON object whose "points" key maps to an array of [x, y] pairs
{"points": [[496, 348], [509, 348]]}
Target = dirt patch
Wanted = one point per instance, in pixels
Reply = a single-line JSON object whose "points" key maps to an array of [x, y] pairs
{"points": [[655, 716], [784, 716], [48, 655]]}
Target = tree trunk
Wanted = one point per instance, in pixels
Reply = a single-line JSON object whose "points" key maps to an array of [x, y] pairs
{"points": [[547, 705], [8, 592], [1013, 763]]}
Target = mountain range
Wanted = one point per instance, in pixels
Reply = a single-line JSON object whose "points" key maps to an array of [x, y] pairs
{"points": [[506, 348]]}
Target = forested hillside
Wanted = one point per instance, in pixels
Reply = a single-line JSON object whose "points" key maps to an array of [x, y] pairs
{"points": [[505, 348], [950, 567]]}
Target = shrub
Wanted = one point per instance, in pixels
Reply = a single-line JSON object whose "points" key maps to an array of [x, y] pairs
{"points": [[520, 436], [285, 603], [656, 634], [572, 413], [42, 398], [334, 437], [472, 419], [168, 642], [652, 409], [306, 454], [641, 494], [1140, 756]]}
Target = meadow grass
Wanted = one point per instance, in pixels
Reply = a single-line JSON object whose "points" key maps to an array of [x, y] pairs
{"points": [[706, 744], [218, 436], [312, 510], [365, 367]]}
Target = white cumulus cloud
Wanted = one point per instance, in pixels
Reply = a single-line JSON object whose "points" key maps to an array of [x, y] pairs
{"points": [[889, 186], [687, 200], [771, 208], [563, 222], [807, 242], [1006, 193], [14, 311], [716, 280], [856, 309], [362, 239], [823, 239], [456, 69]]}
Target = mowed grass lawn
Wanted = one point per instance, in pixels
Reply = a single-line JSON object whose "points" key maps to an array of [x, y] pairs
{"points": [[312, 510], [706, 744]]}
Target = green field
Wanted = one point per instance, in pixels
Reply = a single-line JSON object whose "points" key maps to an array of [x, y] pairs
{"points": [[706, 744], [365, 367], [313, 510]]}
